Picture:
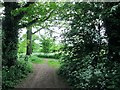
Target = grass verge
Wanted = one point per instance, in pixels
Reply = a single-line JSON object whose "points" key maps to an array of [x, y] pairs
{"points": [[36, 60], [54, 63]]}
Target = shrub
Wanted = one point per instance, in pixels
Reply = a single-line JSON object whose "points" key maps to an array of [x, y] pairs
{"points": [[13, 75]]}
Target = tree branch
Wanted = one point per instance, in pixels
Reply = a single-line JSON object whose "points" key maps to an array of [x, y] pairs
{"points": [[37, 31], [44, 28], [36, 20]]}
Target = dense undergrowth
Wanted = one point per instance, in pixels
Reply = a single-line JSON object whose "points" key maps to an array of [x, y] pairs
{"points": [[13, 75]]}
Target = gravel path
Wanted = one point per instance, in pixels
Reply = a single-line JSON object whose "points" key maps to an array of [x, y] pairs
{"points": [[43, 76]]}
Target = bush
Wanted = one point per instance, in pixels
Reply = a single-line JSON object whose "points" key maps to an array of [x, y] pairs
{"points": [[13, 75]]}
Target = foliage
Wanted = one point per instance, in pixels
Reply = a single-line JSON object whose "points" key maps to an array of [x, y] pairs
{"points": [[35, 47], [56, 47], [36, 13], [11, 76], [46, 44], [34, 44], [22, 44], [85, 62]]}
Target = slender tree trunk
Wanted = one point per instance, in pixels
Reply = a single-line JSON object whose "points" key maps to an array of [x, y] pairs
{"points": [[29, 42], [9, 35]]}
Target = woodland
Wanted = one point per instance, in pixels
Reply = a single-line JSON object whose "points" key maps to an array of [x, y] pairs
{"points": [[88, 54]]}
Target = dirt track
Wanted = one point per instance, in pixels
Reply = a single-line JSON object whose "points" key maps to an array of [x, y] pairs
{"points": [[43, 76]]}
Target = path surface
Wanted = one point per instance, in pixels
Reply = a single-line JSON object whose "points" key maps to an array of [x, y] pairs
{"points": [[43, 76]]}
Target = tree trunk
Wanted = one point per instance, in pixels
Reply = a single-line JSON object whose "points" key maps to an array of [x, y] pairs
{"points": [[29, 42], [9, 35]]}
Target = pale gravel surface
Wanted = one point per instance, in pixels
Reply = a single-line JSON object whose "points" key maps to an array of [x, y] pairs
{"points": [[43, 76]]}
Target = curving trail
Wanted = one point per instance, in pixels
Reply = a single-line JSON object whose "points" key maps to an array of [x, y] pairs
{"points": [[43, 76]]}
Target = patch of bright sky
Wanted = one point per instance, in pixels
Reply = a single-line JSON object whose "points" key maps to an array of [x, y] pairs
{"points": [[57, 33], [1, 11], [57, 29]]}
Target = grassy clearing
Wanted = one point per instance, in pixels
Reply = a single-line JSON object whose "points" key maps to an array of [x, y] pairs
{"points": [[36, 60], [51, 62], [54, 63]]}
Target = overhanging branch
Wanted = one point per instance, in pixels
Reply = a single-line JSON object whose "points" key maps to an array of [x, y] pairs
{"points": [[37, 31], [44, 28], [36, 20]]}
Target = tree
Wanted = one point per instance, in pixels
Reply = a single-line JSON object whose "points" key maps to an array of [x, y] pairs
{"points": [[9, 35], [10, 26], [19, 15], [51, 7], [46, 44], [22, 44], [29, 42]]}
